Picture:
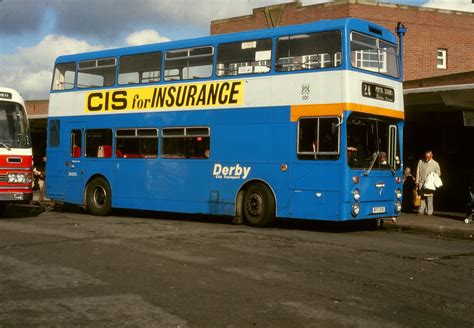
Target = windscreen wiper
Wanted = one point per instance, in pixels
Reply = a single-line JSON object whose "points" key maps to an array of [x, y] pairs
{"points": [[5, 146], [391, 168], [376, 155]]}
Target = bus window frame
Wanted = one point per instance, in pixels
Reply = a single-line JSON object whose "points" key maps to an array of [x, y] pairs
{"points": [[336, 155], [136, 136], [272, 57], [165, 52], [378, 39], [96, 60], [75, 76], [342, 33], [140, 54], [185, 135]]}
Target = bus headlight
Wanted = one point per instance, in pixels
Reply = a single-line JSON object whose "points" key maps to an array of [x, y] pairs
{"points": [[355, 209], [398, 207], [356, 194], [17, 178], [398, 193]]}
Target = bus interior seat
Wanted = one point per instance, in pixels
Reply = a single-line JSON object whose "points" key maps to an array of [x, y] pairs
{"points": [[104, 151], [76, 151]]}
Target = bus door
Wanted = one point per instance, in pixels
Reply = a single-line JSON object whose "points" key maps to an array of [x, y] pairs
{"points": [[74, 164], [315, 176]]}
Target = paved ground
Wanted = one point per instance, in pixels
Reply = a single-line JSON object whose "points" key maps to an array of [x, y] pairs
{"points": [[72, 269], [445, 224]]}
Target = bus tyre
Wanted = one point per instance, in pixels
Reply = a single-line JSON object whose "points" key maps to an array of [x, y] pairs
{"points": [[259, 206], [99, 197]]}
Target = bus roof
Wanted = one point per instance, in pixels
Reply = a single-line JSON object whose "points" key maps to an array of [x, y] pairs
{"points": [[360, 25], [9, 94]]}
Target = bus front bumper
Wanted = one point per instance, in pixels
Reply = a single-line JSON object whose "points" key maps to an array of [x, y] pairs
{"points": [[16, 196]]}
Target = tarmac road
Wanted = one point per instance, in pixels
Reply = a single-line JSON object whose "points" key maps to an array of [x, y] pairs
{"points": [[72, 269]]}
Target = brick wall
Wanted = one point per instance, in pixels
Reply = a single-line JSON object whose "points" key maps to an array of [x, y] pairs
{"points": [[37, 107], [428, 30]]}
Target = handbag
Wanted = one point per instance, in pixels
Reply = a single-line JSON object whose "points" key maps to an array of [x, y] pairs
{"points": [[416, 199]]}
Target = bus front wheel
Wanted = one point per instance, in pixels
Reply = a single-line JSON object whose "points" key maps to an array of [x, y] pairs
{"points": [[99, 197], [259, 206]]}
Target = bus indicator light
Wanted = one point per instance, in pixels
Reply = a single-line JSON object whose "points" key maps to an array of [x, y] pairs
{"points": [[284, 167], [356, 179]]}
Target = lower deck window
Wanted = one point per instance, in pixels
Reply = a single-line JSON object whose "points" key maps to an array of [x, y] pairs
{"points": [[99, 143], [186, 143], [136, 143], [318, 138], [76, 143]]}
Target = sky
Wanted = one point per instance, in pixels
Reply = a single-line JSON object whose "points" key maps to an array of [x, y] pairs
{"points": [[34, 32]]}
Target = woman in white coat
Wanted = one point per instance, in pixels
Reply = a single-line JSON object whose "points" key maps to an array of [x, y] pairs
{"points": [[425, 168]]}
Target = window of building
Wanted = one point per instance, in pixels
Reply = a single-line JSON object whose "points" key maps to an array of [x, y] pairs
{"points": [[64, 76], [136, 143], [374, 55], [99, 143], [247, 57], [308, 51], [96, 73], [76, 143], [441, 59], [143, 68], [193, 142], [189, 64], [318, 138], [54, 133]]}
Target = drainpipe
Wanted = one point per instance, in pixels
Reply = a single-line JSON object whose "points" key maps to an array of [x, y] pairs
{"points": [[401, 30]]}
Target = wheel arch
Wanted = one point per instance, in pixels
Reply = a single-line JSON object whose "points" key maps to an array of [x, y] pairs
{"points": [[239, 197]]}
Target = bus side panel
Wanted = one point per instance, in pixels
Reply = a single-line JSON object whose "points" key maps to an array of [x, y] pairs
{"points": [[251, 148], [314, 190]]}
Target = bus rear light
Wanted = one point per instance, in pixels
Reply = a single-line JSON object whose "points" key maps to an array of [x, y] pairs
{"points": [[356, 179]]}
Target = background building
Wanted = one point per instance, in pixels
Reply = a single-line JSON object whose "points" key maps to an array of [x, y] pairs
{"points": [[438, 74], [38, 116]]}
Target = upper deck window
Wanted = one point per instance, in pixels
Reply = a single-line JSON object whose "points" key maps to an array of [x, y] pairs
{"points": [[189, 64], [373, 54], [96, 73], [248, 57], [64, 76], [143, 68], [309, 51]]}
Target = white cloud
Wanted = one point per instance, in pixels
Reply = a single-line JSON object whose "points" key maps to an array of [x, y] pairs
{"points": [[145, 37], [460, 5], [29, 70]]}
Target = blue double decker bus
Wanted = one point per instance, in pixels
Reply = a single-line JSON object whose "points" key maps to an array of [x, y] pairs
{"points": [[302, 121]]}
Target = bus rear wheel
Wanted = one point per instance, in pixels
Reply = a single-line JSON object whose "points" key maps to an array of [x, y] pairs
{"points": [[259, 206], [99, 197]]}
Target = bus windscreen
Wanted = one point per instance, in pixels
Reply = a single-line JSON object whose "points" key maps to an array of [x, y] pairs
{"points": [[14, 130]]}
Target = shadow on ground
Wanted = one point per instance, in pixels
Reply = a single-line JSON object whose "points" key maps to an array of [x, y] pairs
{"points": [[284, 224]]}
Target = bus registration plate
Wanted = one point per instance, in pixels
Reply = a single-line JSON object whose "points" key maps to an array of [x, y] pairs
{"points": [[378, 210]]}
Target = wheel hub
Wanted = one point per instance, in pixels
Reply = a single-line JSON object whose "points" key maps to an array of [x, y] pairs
{"points": [[99, 197], [255, 204]]}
